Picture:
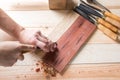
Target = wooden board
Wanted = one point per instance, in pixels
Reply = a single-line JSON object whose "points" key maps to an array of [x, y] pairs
{"points": [[75, 72], [70, 43], [89, 54], [44, 4], [98, 60]]}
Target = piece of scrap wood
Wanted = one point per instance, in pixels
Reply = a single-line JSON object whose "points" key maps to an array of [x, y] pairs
{"points": [[57, 4], [70, 43]]}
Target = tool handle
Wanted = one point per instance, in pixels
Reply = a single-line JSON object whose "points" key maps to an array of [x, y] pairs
{"points": [[113, 22], [108, 32], [111, 15], [108, 25]]}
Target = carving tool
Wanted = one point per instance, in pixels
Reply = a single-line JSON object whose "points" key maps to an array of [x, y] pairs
{"points": [[98, 4], [91, 11], [112, 21], [87, 12], [107, 13]]}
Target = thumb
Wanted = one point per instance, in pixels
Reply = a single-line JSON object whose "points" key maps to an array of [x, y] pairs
{"points": [[27, 48], [21, 57]]}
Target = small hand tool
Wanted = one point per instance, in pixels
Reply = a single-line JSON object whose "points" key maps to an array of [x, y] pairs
{"points": [[100, 26], [97, 3], [107, 13], [91, 11], [109, 17]]}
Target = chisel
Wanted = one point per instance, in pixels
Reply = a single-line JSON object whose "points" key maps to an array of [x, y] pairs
{"points": [[101, 27], [98, 4], [110, 17], [90, 11]]}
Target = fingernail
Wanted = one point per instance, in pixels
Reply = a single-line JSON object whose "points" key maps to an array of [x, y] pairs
{"points": [[33, 47], [53, 47]]}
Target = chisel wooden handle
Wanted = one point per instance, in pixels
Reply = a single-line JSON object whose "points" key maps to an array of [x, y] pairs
{"points": [[108, 25], [108, 32], [113, 22], [111, 15]]}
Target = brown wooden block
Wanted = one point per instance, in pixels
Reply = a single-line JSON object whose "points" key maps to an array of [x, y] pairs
{"points": [[70, 43], [57, 4]]}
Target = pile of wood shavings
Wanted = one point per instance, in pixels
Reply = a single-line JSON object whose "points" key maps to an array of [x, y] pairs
{"points": [[47, 69]]}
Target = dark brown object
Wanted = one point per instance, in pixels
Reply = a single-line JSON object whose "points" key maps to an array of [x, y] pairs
{"points": [[70, 43], [57, 4], [37, 70], [37, 64]]}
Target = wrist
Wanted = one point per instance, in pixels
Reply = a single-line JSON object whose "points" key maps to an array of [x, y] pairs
{"points": [[19, 32]]}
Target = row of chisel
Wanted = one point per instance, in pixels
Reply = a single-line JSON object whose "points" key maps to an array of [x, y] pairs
{"points": [[105, 21]]}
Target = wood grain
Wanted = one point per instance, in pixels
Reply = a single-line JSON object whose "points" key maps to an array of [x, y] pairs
{"points": [[31, 5], [70, 43], [108, 32], [24, 5], [99, 49], [113, 16], [74, 72], [108, 25], [113, 22]]}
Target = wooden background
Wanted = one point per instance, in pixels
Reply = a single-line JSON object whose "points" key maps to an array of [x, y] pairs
{"points": [[98, 60]]}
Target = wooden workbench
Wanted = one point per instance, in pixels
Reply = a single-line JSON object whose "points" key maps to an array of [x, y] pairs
{"points": [[98, 60]]}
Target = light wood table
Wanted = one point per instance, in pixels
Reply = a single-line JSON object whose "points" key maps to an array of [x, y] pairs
{"points": [[98, 60]]}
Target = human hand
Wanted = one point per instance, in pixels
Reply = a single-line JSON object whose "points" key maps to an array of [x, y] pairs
{"points": [[36, 38], [10, 51]]}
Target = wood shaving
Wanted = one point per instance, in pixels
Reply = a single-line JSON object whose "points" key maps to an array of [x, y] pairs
{"points": [[37, 70], [47, 69]]}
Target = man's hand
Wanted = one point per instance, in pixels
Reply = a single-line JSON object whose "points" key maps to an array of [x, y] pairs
{"points": [[10, 51], [36, 38], [23, 35]]}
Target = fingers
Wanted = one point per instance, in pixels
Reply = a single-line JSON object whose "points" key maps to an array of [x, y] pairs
{"points": [[21, 57], [50, 47], [45, 44], [41, 37], [27, 48], [53, 47], [42, 46], [8, 63]]}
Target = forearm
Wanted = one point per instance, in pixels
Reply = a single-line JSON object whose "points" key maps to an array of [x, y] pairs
{"points": [[9, 25]]}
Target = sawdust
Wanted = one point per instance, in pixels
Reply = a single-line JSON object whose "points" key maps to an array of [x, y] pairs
{"points": [[37, 69], [43, 67], [47, 69]]}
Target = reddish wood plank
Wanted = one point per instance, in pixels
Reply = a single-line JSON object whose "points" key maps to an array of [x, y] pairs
{"points": [[70, 43]]}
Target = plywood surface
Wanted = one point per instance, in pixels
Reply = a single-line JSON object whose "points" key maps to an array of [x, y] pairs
{"points": [[98, 60]]}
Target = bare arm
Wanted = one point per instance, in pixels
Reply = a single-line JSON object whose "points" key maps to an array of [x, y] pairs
{"points": [[9, 25], [25, 36]]}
